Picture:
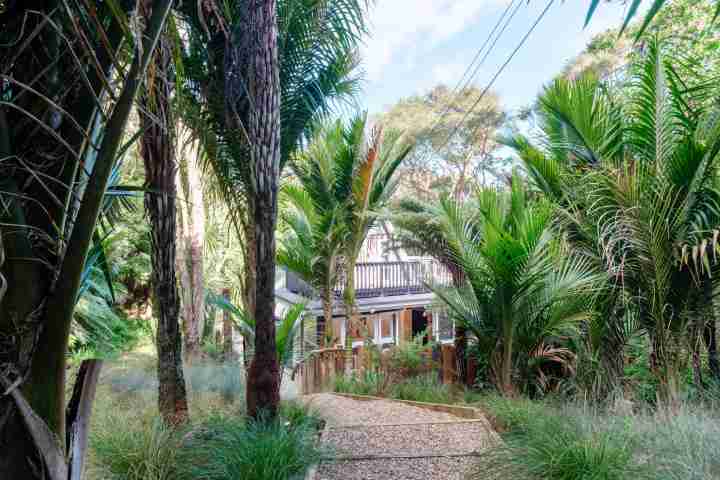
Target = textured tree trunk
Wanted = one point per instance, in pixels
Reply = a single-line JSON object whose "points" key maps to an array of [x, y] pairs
{"points": [[327, 313], [253, 59], [159, 159], [350, 314], [460, 339]]}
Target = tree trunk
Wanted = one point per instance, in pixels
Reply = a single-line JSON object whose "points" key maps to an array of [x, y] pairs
{"points": [[460, 339], [78, 415], [350, 323], [193, 239], [328, 315], [253, 78], [710, 337], [228, 352], [159, 159]]}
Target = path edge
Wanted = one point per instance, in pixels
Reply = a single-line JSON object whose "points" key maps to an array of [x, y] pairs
{"points": [[457, 410]]}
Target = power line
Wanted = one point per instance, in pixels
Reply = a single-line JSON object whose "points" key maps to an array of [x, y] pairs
{"points": [[459, 87], [497, 38], [496, 75]]}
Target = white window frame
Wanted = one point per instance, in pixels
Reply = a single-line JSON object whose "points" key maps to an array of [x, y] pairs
{"points": [[379, 339]]}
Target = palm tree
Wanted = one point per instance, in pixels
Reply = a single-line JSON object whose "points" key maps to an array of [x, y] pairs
{"points": [[645, 176], [368, 168], [311, 247], [556, 168], [57, 115], [158, 152], [423, 227], [518, 294], [313, 44]]}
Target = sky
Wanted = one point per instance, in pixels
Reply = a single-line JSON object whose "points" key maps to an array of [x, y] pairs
{"points": [[416, 44]]}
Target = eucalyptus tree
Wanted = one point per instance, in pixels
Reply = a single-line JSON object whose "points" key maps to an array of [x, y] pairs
{"points": [[311, 49], [61, 125], [522, 291], [454, 133], [643, 177], [633, 6]]}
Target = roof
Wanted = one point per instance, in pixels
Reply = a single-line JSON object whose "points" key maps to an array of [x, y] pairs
{"points": [[365, 305]]}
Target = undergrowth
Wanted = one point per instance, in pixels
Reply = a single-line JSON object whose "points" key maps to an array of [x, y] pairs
{"points": [[544, 440]]}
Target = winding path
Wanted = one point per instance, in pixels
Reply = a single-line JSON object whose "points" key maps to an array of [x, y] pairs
{"points": [[383, 439]]}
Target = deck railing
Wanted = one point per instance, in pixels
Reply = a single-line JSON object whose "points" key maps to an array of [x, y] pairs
{"points": [[380, 279]]}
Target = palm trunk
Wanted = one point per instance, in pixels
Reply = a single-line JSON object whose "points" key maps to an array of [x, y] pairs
{"points": [[507, 386], [460, 339], [350, 323], [710, 338], [254, 59], [159, 159], [327, 311], [663, 365]]}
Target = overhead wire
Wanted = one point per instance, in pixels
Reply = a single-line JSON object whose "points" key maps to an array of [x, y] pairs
{"points": [[495, 77], [462, 83]]}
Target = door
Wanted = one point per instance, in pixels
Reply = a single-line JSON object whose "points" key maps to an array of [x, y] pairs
{"points": [[419, 324]]}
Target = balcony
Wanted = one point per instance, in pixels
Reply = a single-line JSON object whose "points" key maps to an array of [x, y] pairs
{"points": [[384, 279]]}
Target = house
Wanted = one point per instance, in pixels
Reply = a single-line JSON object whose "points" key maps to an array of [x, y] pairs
{"points": [[394, 301]]}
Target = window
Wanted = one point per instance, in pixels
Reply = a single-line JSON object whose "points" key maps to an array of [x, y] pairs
{"points": [[387, 324], [443, 328]]}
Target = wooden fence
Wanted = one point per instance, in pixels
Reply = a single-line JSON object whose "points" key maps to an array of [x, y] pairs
{"points": [[318, 371]]}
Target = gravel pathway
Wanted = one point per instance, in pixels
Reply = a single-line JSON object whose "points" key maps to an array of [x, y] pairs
{"points": [[382, 439], [339, 411]]}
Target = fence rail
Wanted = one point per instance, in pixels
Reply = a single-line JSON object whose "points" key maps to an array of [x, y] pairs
{"points": [[379, 279]]}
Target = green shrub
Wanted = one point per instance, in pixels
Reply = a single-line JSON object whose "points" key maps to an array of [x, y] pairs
{"points": [[128, 447], [410, 358], [230, 448], [422, 388], [299, 413], [366, 383]]}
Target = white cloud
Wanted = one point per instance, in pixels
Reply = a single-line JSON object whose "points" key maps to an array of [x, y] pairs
{"points": [[448, 73], [411, 27]]}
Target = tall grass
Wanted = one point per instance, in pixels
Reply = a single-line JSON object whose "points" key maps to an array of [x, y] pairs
{"points": [[366, 383], [422, 388], [129, 442], [232, 448], [568, 442], [684, 445]]}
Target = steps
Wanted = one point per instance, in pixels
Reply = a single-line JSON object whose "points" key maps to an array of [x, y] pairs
{"points": [[422, 445]]}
